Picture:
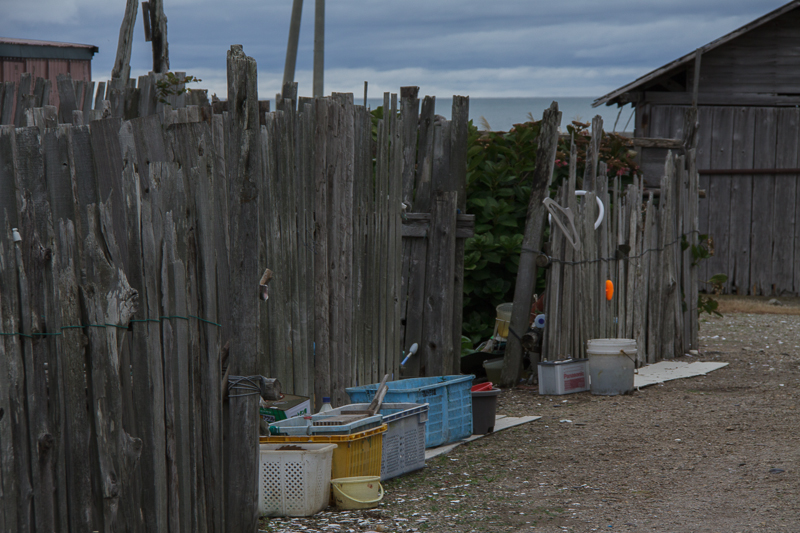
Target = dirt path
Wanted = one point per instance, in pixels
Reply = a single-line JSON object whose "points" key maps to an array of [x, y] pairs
{"points": [[715, 453]]}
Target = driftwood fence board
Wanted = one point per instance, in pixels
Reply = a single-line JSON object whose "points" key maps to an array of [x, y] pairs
{"points": [[638, 248], [145, 228]]}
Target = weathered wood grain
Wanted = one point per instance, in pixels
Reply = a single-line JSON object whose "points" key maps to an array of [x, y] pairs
{"points": [[7, 114], [322, 354], [705, 119], [741, 208], [418, 249], [244, 166], [762, 225], [67, 98], [784, 207], [24, 99], [719, 190], [532, 240], [437, 347], [459, 132]]}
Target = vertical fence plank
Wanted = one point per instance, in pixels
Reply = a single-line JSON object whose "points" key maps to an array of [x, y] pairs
{"points": [[244, 166], [459, 133], [395, 249], [418, 246], [322, 354], [33, 264], [437, 348]]}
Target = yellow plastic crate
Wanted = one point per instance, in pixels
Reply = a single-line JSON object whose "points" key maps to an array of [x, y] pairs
{"points": [[358, 454]]}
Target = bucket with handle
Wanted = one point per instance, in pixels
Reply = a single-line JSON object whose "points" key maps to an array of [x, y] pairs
{"points": [[612, 363], [361, 492]]}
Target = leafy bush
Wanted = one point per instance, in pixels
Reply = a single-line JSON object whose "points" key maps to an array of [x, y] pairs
{"points": [[499, 171]]}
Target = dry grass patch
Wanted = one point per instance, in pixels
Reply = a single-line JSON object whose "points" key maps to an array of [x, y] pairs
{"points": [[757, 305]]}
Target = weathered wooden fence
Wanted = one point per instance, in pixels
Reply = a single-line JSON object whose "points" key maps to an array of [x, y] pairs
{"points": [[35, 102], [641, 247], [131, 286]]}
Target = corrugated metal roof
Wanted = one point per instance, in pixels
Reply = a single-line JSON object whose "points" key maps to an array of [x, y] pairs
{"points": [[611, 97], [33, 42], [30, 48]]}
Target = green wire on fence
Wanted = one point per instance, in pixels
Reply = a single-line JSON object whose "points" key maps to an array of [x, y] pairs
{"points": [[158, 320]]}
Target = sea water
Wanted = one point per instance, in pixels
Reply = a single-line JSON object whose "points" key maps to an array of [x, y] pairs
{"points": [[500, 114]]}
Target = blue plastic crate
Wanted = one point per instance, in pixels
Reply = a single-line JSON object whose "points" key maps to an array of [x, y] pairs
{"points": [[448, 397]]}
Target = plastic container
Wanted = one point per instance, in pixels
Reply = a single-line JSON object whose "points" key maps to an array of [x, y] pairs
{"points": [[503, 319], [611, 365], [404, 441], [481, 387], [358, 454], [484, 411], [313, 425], [563, 377], [494, 369], [326, 405], [294, 482], [448, 398], [363, 492]]}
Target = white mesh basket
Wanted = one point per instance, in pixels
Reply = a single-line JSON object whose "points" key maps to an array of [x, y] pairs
{"points": [[294, 481]]}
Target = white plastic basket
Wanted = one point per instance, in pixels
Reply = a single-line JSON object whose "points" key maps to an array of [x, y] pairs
{"points": [[294, 481]]}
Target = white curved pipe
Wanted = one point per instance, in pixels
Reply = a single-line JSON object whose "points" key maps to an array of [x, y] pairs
{"points": [[600, 206]]}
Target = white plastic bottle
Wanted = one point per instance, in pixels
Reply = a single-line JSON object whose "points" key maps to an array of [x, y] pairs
{"points": [[326, 404]]}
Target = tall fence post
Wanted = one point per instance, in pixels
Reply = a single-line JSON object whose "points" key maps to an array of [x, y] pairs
{"points": [[243, 156], [532, 240]]}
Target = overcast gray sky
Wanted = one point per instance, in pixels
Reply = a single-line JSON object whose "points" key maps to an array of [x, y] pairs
{"points": [[480, 48]]}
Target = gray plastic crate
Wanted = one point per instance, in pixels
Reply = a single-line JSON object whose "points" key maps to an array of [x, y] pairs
{"points": [[404, 441]]}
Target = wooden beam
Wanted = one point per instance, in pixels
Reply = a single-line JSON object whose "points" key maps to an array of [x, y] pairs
{"points": [[319, 47], [698, 56], [244, 162], [532, 240], [158, 36], [122, 63], [722, 99], [291, 46], [418, 224], [649, 142]]}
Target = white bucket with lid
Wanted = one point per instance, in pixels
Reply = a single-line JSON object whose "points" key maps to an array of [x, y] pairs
{"points": [[611, 365]]}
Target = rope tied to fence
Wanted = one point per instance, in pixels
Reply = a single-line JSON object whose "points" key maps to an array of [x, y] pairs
{"points": [[107, 325], [551, 259], [250, 384]]}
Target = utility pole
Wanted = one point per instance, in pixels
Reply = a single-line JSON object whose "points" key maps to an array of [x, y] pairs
{"points": [[291, 47], [319, 47]]}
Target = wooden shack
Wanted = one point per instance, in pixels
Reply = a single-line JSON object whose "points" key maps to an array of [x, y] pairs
{"points": [[46, 60], [746, 86]]}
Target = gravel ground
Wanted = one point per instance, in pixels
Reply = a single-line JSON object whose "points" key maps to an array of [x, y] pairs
{"points": [[712, 453]]}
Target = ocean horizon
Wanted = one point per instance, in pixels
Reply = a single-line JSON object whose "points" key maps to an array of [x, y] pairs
{"points": [[500, 114]]}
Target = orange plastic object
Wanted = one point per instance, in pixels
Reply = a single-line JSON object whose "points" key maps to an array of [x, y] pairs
{"points": [[609, 289]]}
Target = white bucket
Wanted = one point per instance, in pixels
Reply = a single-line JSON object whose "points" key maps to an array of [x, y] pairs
{"points": [[611, 365]]}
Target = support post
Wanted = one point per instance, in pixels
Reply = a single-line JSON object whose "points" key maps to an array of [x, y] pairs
{"points": [[319, 47], [532, 240], [291, 47]]}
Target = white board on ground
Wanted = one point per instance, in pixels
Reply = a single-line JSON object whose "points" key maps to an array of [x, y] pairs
{"points": [[501, 422], [669, 370]]}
